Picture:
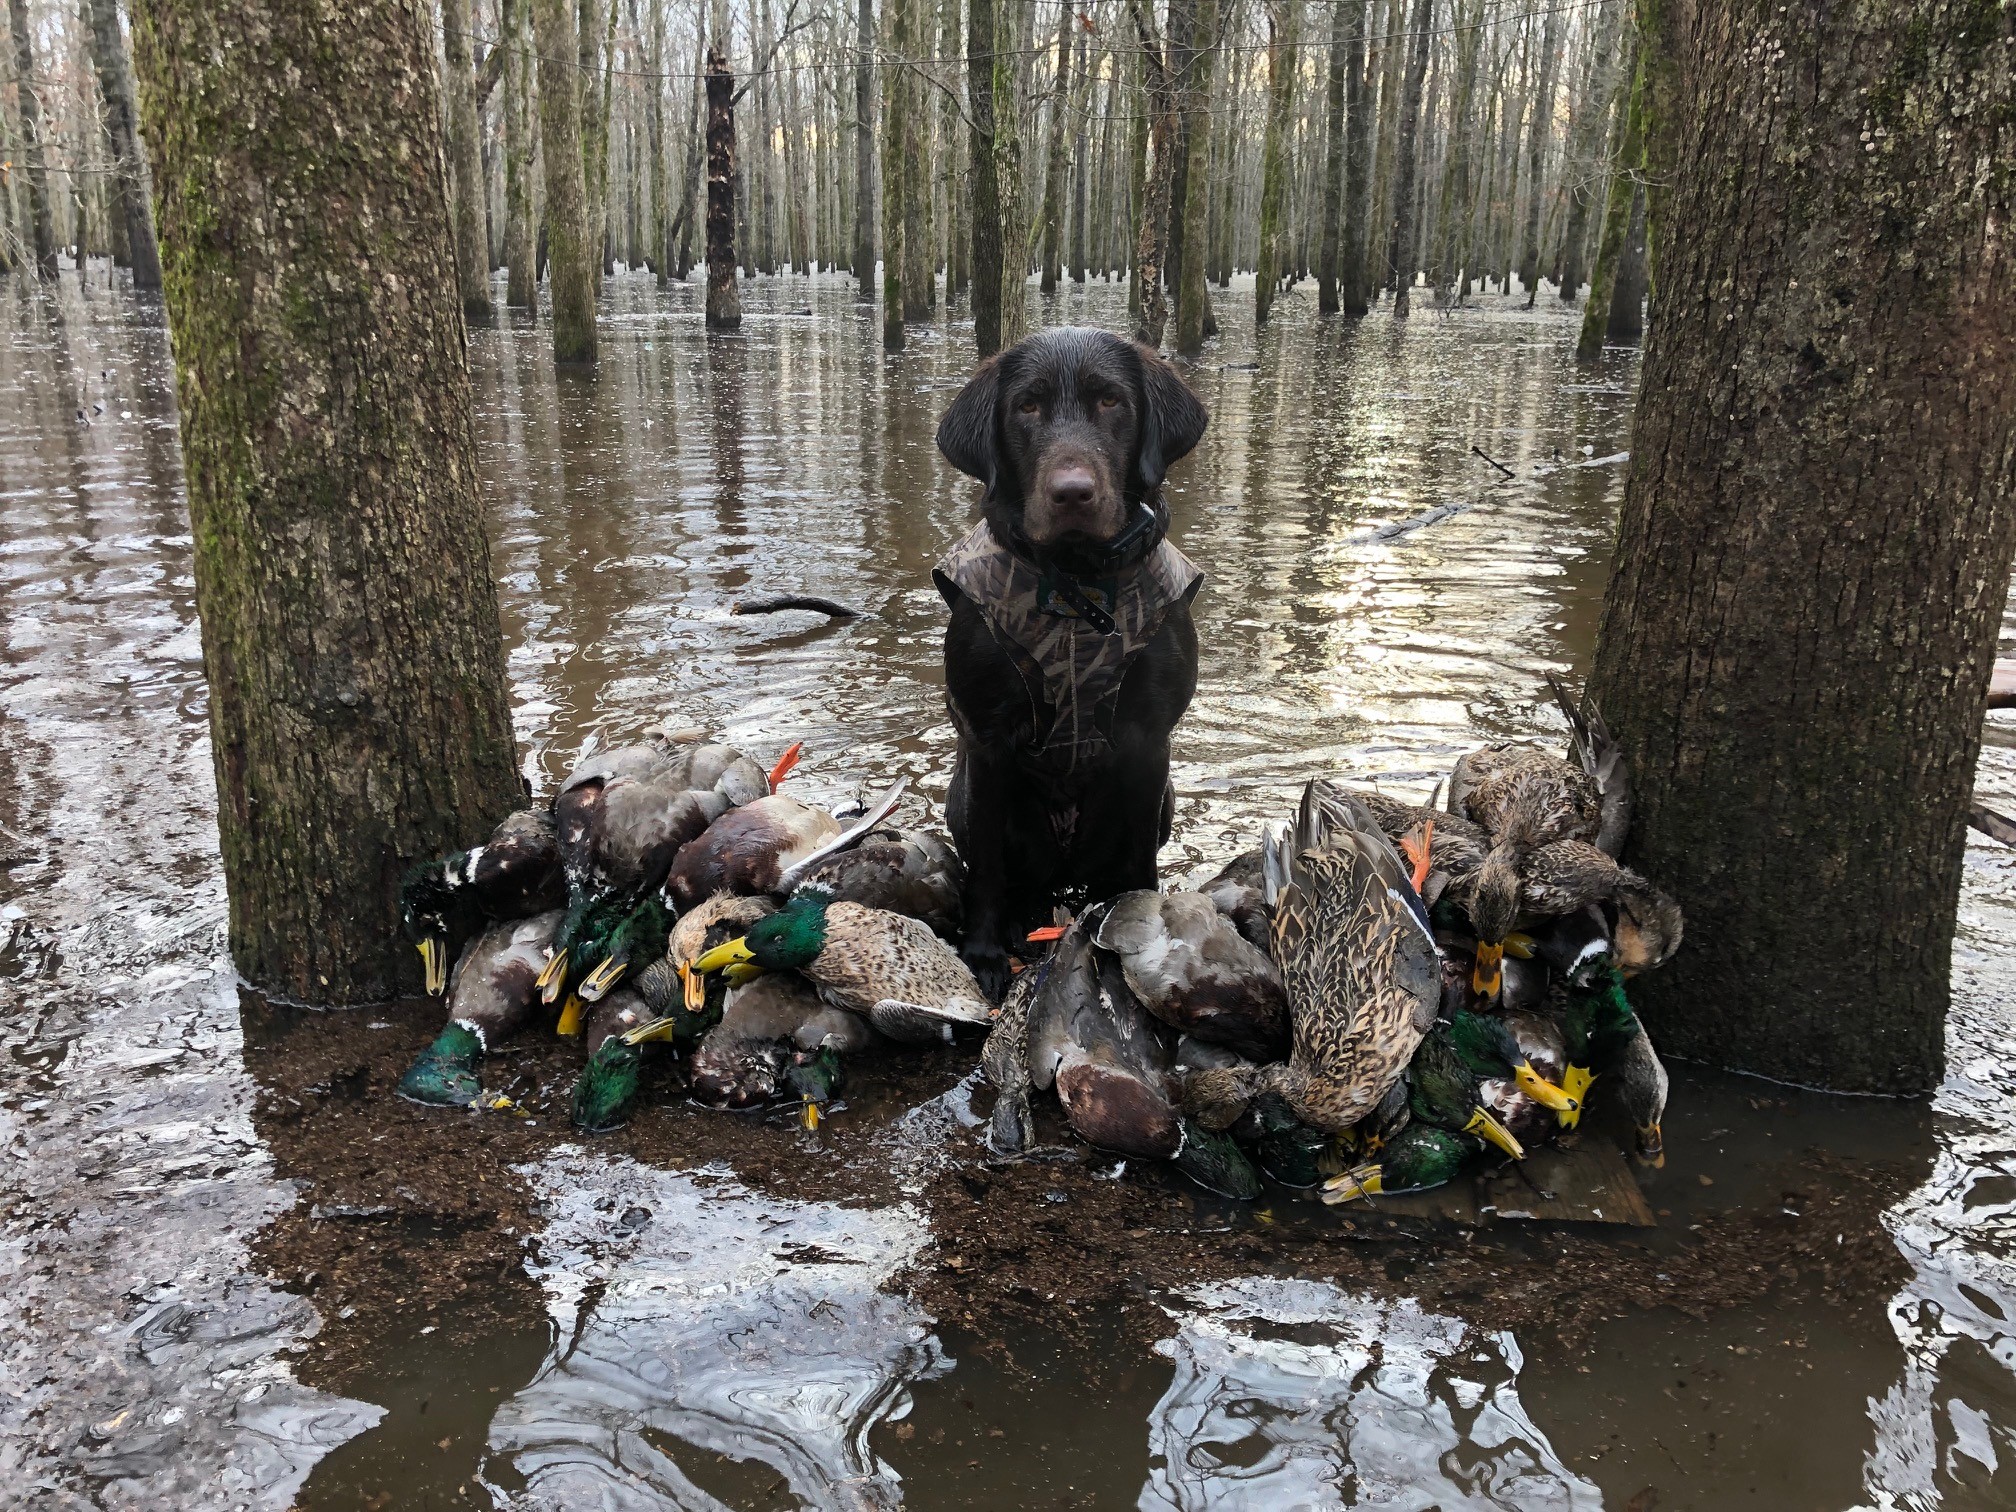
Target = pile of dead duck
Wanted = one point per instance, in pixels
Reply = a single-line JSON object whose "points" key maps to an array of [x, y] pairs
{"points": [[1378, 997]]}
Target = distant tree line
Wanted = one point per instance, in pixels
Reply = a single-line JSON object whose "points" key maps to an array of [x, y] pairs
{"points": [[1394, 149]]}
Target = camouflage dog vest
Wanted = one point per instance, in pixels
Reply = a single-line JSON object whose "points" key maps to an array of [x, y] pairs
{"points": [[1071, 667]]}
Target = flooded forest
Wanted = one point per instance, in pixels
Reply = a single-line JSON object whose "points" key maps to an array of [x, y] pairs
{"points": [[423, 419]]}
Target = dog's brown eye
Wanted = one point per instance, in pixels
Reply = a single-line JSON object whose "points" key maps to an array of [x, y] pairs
{"points": [[1030, 406], [1109, 401]]}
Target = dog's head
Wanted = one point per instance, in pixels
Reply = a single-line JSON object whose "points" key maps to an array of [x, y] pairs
{"points": [[1069, 430]]}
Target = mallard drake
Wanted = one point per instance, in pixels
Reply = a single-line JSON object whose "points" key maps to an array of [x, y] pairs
{"points": [[1602, 1036], [1531, 1103], [898, 870], [1451, 1083], [891, 969], [1420, 1156], [1359, 963], [514, 873], [622, 818], [610, 944], [607, 1085], [490, 997], [1569, 876], [748, 849], [1189, 966]]}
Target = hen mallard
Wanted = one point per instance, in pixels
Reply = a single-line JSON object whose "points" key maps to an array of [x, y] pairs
{"points": [[514, 873], [1190, 967], [1359, 963], [491, 996], [889, 968], [624, 815]]}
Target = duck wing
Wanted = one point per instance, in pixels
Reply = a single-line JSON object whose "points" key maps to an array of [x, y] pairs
{"points": [[853, 835], [748, 849], [1192, 969], [1599, 756], [871, 958]]}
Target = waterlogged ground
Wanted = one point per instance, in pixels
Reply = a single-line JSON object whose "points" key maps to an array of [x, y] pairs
{"points": [[239, 1274]]}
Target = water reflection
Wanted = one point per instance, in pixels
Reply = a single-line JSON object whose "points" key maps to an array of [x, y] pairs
{"points": [[1291, 1394], [711, 1341]]}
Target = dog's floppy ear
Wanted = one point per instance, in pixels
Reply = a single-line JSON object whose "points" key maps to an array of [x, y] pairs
{"points": [[1172, 419], [966, 431]]}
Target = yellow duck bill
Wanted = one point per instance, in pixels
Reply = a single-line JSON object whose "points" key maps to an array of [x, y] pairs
{"points": [[1484, 976], [1542, 1091], [597, 983], [434, 964], [1484, 1126], [1575, 1081], [1365, 1181], [733, 953], [552, 977]]}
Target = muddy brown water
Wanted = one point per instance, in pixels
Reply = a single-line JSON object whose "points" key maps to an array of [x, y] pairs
{"points": [[237, 1274]]}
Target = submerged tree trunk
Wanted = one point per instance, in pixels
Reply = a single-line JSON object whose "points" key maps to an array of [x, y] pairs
{"points": [[1336, 133], [34, 170], [465, 161], [980, 40], [895, 177], [1599, 100], [864, 149], [1351, 290], [1008, 182], [521, 237], [115, 83], [1192, 297], [920, 287], [1053, 176], [1284, 28], [358, 709], [1407, 154], [1814, 550], [570, 256], [724, 300], [1627, 296], [1158, 177], [1536, 156], [1617, 216]]}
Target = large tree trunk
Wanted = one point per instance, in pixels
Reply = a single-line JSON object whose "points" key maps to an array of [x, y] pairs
{"points": [[570, 256], [33, 168], [115, 83], [864, 148], [1406, 159], [1628, 160], [358, 711], [465, 161], [724, 300], [1053, 174], [952, 162], [1814, 551], [1538, 134], [1601, 97], [657, 212], [521, 181], [1158, 178], [1009, 189], [920, 288], [980, 38], [598, 57], [1284, 37], [1627, 296], [1192, 297]]}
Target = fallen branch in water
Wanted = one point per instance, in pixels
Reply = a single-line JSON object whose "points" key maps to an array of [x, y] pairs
{"points": [[1443, 512], [781, 601], [1991, 824]]}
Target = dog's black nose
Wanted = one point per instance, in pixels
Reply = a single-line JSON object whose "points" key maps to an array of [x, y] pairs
{"points": [[1073, 488]]}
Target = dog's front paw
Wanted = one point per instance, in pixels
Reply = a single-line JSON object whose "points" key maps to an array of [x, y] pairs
{"points": [[990, 967]]}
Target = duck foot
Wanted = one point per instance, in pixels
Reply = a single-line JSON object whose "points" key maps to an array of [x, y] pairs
{"points": [[606, 1088], [1217, 1164], [445, 1075]]}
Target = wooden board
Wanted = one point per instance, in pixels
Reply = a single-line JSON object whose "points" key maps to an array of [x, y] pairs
{"points": [[1589, 1181]]}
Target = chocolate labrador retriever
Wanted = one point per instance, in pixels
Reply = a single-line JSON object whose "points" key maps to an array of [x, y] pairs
{"points": [[1071, 653]]}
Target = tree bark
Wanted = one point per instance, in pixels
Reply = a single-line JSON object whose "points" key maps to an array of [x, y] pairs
{"points": [[33, 168], [980, 37], [1284, 36], [521, 237], [657, 213], [895, 178], [570, 256], [1600, 100], [1081, 161], [1627, 296], [115, 83], [1814, 551], [1351, 290], [724, 300], [1617, 216], [358, 709], [465, 161], [1406, 156], [1335, 135], [1192, 297], [864, 148], [920, 288], [1157, 178], [1008, 183], [1541, 130], [1053, 175]]}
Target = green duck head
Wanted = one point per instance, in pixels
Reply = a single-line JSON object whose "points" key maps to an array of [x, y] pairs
{"points": [[437, 913], [613, 943], [1487, 1048], [1422, 1156], [583, 907], [788, 940], [1597, 1024]]}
